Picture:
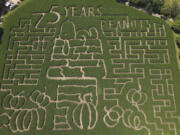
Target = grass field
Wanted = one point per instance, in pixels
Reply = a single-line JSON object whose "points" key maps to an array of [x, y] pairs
{"points": [[87, 67]]}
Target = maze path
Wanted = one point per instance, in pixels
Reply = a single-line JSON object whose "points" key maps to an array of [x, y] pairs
{"points": [[129, 51], [25, 55]]}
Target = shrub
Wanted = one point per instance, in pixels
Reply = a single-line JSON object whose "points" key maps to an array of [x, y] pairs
{"points": [[156, 5]]}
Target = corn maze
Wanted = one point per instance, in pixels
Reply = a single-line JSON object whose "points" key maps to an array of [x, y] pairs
{"points": [[78, 68]]}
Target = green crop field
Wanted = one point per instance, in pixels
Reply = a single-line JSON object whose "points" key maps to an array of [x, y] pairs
{"points": [[87, 67]]}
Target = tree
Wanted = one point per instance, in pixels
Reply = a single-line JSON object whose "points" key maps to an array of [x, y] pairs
{"points": [[1, 4], [149, 5], [166, 10], [175, 10], [156, 5], [176, 24], [140, 3]]}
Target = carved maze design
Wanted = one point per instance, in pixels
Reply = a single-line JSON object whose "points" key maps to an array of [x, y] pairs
{"points": [[133, 44], [162, 86], [26, 52], [81, 51], [25, 55], [109, 63]]}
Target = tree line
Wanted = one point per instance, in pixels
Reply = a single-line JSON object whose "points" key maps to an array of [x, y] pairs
{"points": [[158, 6]]}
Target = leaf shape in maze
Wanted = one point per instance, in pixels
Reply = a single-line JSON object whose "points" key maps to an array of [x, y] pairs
{"points": [[77, 116], [93, 116], [137, 122], [85, 115], [40, 99], [6, 101], [27, 120], [66, 48], [35, 95], [11, 101], [22, 120], [41, 118], [4, 120], [13, 122], [45, 101], [93, 33], [113, 116]]}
